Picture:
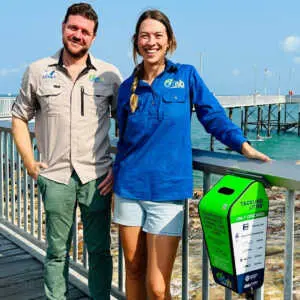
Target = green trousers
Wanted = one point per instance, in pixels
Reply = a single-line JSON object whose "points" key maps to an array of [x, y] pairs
{"points": [[60, 201]]}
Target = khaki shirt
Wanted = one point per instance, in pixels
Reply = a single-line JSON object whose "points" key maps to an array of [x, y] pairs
{"points": [[72, 119]]}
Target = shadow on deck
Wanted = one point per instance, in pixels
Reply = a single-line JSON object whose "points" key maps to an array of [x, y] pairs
{"points": [[21, 275]]}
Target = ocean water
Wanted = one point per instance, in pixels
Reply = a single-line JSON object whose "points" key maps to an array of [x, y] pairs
{"points": [[278, 146]]}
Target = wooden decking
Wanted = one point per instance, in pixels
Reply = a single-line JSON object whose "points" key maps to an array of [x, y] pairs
{"points": [[21, 275]]}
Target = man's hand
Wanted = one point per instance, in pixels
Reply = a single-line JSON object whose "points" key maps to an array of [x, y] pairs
{"points": [[23, 142], [250, 152], [107, 184], [34, 169]]}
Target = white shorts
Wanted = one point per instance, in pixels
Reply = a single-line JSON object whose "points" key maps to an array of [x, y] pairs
{"points": [[163, 218]]}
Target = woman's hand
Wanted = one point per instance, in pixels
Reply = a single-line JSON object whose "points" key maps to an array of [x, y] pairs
{"points": [[250, 152]]}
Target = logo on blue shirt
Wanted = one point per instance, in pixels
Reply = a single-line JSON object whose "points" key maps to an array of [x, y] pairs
{"points": [[49, 74], [174, 84]]}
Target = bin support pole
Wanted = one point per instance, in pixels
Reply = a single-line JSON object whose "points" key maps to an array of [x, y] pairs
{"points": [[289, 245], [227, 294], [205, 264]]}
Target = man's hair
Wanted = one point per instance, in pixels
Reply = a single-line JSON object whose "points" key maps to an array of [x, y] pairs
{"points": [[85, 10]]}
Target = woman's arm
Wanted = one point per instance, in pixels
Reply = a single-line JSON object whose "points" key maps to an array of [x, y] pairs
{"points": [[215, 121]]}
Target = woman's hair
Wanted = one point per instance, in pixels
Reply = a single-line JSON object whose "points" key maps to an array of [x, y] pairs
{"points": [[162, 18]]}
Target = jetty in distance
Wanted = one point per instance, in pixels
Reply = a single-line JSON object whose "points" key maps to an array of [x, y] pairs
{"points": [[257, 100]]}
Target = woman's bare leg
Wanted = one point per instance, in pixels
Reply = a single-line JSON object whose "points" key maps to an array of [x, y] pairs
{"points": [[134, 245], [161, 254]]}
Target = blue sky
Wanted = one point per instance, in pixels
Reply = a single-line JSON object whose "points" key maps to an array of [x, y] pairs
{"points": [[244, 45]]}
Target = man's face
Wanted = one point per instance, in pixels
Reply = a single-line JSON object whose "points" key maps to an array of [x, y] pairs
{"points": [[78, 35]]}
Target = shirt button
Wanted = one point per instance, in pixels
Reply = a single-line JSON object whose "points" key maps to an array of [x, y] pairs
{"points": [[153, 103]]}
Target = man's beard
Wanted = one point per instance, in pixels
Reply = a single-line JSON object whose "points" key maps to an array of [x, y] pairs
{"points": [[76, 55]]}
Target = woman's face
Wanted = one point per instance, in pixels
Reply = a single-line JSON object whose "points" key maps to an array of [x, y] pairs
{"points": [[152, 41]]}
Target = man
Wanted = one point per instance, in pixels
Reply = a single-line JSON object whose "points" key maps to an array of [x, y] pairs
{"points": [[69, 94]]}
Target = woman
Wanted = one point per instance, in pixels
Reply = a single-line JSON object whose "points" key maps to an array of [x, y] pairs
{"points": [[153, 167]]}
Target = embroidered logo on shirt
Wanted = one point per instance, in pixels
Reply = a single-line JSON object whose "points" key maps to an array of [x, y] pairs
{"points": [[95, 78], [49, 74], [174, 84]]}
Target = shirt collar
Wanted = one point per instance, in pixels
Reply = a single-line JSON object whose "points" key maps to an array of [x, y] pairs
{"points": [[170, 66], [57, 60]]}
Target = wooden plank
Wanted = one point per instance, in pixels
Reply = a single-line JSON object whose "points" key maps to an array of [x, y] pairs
{"points": [[21, 277], [2, 237], [14, 258], [24, 290], [24, 266], [5, 242], [7, 247], [74, 294], [12, 252]]}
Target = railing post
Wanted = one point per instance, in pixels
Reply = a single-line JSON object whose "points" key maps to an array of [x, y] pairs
{"points": [[40, 209], [185, 253], [32, 207], [205, 264], [6, 151], [32, 200], [259, 293], [121, 277], [75, 236], [228, 294], [85, 257], [25, 196], [19, 189], [12, 179], [1, 177], [289, 245]]}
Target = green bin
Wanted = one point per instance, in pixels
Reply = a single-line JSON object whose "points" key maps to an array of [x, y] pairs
{"points": [[234, 217]]}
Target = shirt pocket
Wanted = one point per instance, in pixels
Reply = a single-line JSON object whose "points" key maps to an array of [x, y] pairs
{"points": [[50, 98], [97, 100], [174, 105]]}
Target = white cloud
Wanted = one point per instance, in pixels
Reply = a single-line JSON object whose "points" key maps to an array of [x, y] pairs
{"points": [[236, 72], [5, 71], [291, 44], [296, 59]]}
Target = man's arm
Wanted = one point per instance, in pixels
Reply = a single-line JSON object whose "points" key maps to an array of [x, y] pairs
{"points": [[106, 185], [23, 142]]}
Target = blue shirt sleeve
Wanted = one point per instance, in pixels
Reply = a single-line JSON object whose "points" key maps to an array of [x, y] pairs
{"points": [[212, 115]]}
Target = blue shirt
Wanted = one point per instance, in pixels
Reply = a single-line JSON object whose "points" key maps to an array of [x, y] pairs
{"points": [[154, 159]]}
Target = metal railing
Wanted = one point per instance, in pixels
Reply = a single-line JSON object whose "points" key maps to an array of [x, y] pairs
{"points": [[5, 106], [21, 209]]}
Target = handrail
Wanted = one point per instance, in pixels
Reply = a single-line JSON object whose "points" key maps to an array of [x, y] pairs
{"points": [[282, 173], [17, 187]]}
